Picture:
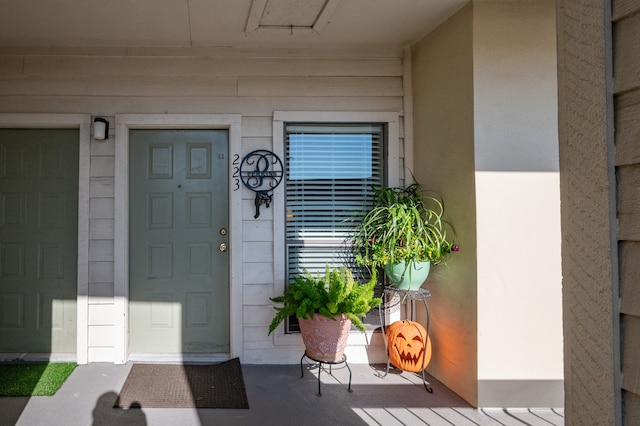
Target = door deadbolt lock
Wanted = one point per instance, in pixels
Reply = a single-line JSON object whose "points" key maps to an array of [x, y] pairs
{"points": [[223, 231], [222, 247]]}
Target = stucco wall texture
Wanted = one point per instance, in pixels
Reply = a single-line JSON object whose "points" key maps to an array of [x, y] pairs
{"points": [[589, 258]]}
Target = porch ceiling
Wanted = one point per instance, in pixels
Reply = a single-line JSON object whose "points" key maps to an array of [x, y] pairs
{"points": [[229, 23]]}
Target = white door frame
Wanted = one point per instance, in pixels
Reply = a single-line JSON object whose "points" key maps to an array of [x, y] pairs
{"points": [[83, 123], [125, 122]]}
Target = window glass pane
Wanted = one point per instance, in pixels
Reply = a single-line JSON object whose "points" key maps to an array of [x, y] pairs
{"points": [[332, 156], [330, 172]]}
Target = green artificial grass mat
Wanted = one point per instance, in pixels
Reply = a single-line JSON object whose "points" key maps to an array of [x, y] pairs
{"points": [[33, 378]]}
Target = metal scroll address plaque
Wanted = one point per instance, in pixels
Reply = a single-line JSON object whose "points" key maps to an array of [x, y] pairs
{"points": [[261, 171]]}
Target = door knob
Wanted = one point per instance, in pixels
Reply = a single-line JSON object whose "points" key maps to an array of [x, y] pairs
{"points": [[222, 247]]}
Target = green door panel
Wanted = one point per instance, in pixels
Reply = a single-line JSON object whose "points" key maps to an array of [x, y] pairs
{"points": [[178, 277], [38, 240]]}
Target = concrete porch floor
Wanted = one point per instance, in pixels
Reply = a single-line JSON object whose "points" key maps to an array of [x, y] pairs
{"points": [[277, 396]]}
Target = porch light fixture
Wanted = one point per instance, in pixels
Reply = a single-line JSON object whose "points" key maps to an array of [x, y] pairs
{"points": [[100, 128]]}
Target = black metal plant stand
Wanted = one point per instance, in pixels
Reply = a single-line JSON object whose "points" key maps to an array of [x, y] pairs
{"points": [[331, 363], [400, 296]]}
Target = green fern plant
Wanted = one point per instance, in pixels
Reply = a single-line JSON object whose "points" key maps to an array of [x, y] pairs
{"points": [[331, 294]]}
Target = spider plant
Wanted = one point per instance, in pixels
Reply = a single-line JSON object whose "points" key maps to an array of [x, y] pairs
{"points": [[404, 225]]}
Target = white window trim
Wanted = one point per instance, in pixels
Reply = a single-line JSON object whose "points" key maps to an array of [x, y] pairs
{"points": [[391, 119], [125, 122], [83, 123]]}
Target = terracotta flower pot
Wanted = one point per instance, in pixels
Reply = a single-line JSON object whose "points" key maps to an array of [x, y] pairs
{"points": [[325, 339]]}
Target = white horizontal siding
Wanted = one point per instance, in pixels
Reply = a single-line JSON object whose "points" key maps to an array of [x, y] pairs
{"points": [[102, 166], [257, 230], [258, 335], [257, 251], [100, 250], [252, 106], [251, 82], [100, 354], [249, 211], [257, 273], [100, 271], [257, 315], [256, 127], [102, 187], [101, 292], [101, 229], [257, 294], [100, 315], [198, 52], [150, 86], [101, 336], [220, 67], [101, 208], [319, 86]]}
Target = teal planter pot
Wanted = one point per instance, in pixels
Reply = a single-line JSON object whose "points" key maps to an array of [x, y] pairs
{"points": [[406, 277]]}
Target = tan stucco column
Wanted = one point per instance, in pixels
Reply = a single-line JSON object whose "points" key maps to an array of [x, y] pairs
{"points": [[589, 249]]}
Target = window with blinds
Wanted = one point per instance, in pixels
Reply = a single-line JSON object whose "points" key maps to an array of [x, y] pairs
{"points": [[330, 171]]}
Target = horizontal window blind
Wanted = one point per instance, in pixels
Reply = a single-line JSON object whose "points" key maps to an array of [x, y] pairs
{"points": [[330, 171]]}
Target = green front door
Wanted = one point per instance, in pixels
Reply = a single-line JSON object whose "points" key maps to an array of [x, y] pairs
{"points": [[38, 240], [178, 222]]}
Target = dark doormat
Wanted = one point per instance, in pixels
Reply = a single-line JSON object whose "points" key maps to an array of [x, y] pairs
{"points": [[184, 386]]}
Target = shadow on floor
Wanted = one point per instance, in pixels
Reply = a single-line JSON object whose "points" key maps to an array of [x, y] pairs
{"points": [[104, 414], [277, 395]]}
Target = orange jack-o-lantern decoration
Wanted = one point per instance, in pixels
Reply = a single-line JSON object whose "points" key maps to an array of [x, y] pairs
{"points": [[409, 345]]}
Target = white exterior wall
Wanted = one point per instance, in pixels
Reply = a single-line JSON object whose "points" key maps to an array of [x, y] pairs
{"points": [[443, 117], [518, 203], [254, 84], [485, 90]]}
